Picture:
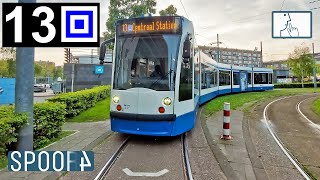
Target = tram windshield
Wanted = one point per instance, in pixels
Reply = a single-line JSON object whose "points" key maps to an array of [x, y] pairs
{"points": [[146, 61]]}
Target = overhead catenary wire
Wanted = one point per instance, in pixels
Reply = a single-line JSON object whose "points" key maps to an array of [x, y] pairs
{"points": [[184, 9], [282, 4]]}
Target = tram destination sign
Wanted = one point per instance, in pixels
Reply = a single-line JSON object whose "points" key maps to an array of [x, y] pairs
{"points": [[149, 25]]}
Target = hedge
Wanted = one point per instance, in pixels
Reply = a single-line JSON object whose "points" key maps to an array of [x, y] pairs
{"points": [[296, 85], [78, 101], [10, 123], [49, 118]]}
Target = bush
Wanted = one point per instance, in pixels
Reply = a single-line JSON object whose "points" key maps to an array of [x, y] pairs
{"points": [[296, 85], [10, 123], [78, 101], [49, 118]]}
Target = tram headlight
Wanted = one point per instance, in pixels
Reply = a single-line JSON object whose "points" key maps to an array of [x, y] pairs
{"points": [[167, 101], [115, 99]]}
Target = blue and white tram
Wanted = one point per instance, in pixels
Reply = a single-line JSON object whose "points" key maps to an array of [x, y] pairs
{"points": [[159, 80]]}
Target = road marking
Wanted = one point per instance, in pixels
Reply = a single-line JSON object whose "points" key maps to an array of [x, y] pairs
{"points": [[148, 174], [290, 157], [317, 126]]}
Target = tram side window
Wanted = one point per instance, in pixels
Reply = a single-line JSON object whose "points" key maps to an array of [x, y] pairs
{"points": [[260, 78], [185, 87], [270, 78], [224, 78], [236, 78], [205, 76], [249, 78], [213, 82]]}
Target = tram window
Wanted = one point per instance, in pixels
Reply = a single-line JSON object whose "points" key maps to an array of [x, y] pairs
{"points": [[249, 78], [270, 78], [224, 78], [213, 82], [204, 76], [186, 75], [236, 78], [260, 78]]}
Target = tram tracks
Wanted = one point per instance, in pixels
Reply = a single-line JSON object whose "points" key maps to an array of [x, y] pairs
{"points": [[103, 172], [116, 155], [282, 146]]}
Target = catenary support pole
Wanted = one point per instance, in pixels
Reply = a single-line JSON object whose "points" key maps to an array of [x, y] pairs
{"points": [[314, 68], [24, 92]]}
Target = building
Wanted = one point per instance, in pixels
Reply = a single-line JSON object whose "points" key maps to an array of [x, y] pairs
{"points": [[239, 57], [281, 71], [94, 58]]}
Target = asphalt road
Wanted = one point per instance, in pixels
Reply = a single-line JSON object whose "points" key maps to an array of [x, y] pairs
{"points": [[39, 97], [299, 137]]}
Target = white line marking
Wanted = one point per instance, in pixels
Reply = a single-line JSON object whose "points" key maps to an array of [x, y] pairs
{"points": [[294, 162], [148, 174], [312, 124]]}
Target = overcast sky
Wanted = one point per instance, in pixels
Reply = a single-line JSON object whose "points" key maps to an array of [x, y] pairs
{"points": [[240, 24]]}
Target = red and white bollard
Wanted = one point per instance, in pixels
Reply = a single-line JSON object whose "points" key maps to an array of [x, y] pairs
{"points": [[226, 122]]}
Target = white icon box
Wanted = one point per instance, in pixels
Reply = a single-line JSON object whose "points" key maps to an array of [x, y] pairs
{"points": [[292, 24]]}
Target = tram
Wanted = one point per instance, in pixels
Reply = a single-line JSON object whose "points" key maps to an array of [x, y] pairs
{"points": [[160, 78]]}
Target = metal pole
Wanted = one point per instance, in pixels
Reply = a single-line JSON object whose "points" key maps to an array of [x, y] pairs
{"points": [[261, 61], [218, 48], [72, 77], [314, 68], [24, 92]]}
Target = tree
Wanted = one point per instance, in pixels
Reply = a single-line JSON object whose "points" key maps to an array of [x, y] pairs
{"points": [[8, 52], [37, 70], [169, 11], [11, 64], [122, 9], [58, 72], [301, 62], [4, 68]]}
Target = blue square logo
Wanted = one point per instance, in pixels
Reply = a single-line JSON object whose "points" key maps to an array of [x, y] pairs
{"points": [[79, 24]]}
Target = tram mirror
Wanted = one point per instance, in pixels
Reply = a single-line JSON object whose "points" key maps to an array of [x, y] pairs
{"points": [[186, 51], [102, 51]]}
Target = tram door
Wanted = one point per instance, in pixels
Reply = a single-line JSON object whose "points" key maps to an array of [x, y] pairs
{"points": [[243, 80]]}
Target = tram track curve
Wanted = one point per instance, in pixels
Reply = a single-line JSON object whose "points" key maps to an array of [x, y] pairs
{"points": [[276, 138]]}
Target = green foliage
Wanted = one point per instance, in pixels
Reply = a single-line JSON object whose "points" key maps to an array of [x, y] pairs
{"points": [[295, 85], [122, 9], [37, 70], [169, 11], [238, 100], [58, 72], [316, 107], [77, 102], [100, 112], [10, 123], [49, 118], [301, 62]]}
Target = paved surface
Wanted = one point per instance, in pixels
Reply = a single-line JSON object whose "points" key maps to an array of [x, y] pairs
{"points": [[269, 162], [295, 132], [39, 97], [86, 137], [231, 154], [203, 163], [150, 155]]}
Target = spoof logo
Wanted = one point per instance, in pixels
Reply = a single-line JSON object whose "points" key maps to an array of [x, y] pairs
{"points": [[79, 24]]}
